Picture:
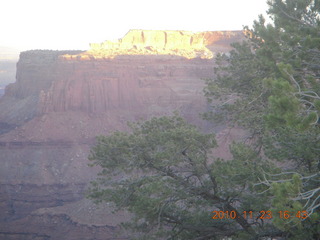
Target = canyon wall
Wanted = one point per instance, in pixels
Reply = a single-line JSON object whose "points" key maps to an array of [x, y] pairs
{"points": [[179, 43], [61, 100]]}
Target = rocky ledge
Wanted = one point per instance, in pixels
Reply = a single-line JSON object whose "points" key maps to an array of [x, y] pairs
{"points": [[152, 42], [61, 100]]}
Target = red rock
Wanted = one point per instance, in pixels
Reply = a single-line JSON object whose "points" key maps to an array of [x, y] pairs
{"points": [[62, 100]]}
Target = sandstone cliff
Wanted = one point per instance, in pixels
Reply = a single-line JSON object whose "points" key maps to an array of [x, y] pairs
{"points": [[98, 80], [36, 71], [62, 100], [179, 43]]}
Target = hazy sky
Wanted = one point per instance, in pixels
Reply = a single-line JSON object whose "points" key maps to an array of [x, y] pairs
{"points": [[73, 24]]}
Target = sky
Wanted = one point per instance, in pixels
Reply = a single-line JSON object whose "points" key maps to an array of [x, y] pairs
{"points": [[73, 24]]}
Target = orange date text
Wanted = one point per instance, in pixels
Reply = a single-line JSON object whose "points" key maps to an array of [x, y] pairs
{"points": [[258, 215]]}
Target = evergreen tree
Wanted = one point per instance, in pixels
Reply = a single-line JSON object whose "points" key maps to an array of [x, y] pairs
{"points": [[270, 86], [162, 172]]}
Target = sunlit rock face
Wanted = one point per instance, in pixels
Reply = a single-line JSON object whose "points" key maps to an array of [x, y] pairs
{"points": [[61, 100], [149, 71], [151, 42], [136, 42]]}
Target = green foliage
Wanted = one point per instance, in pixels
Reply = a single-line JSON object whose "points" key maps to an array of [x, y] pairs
{"points": [[290, 215], [271, 88], [283, 193], [162, 173]]}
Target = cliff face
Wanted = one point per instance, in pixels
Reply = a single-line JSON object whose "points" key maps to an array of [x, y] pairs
{"points": [[36, 71], [62, 100], [145, 70], [129, 83], [180, 43]]}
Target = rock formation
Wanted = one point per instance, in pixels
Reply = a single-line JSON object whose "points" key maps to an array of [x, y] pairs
{"points": [[62, 99], [178, 43]]}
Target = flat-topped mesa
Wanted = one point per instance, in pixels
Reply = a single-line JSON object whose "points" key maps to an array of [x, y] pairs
{"points": [[153, 42], [157, 39], [185, 44], [61, 100]]}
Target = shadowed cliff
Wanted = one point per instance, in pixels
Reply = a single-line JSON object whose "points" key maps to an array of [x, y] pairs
{"points": [[61, 100]]}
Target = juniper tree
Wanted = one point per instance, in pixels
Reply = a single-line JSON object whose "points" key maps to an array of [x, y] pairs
{"points": [[270, 86], [163, 173]]}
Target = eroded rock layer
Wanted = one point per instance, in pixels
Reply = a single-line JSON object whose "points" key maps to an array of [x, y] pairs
{"points": [[149, 42], [63, 99]]}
